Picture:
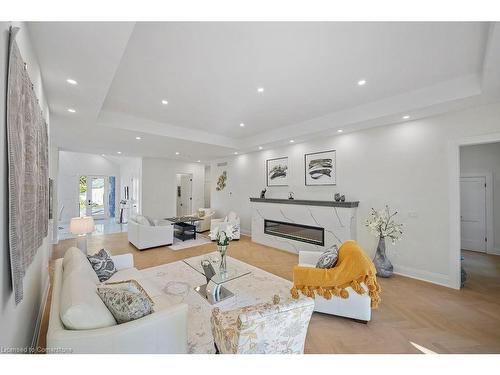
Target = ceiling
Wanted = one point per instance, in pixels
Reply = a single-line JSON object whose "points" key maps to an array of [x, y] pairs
{"points": [[209, 73]]}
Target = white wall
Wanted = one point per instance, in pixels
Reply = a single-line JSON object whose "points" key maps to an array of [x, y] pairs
{"points": [[480, 159], [159, 185], [72, 165], [403, 165], [18, 324]]}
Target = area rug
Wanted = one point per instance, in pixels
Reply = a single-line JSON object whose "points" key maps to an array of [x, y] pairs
{"points": [[180, 245], [176, 282]]}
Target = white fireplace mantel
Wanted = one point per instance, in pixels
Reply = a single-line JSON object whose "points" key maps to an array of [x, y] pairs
{"points": [[338, 219]]}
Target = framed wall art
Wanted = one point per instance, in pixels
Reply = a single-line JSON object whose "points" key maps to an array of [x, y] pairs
{"points": [[277, 172], [320, 168]]}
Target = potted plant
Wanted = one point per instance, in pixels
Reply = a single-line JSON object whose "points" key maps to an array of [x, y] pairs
{"points": [[381, 224], [223, 238]]}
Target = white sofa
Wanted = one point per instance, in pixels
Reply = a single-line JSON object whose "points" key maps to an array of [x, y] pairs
{"points": [[217, 225], [357, 306], [75, 301], [145, 233], [204, 224]]}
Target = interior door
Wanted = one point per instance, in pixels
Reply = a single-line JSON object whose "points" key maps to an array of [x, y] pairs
{"points": [[186, 194], [473, 213], [93, 193]]}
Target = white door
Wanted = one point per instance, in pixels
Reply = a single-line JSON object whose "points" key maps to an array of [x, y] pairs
{"points": [[473, 213], [186, 195]]}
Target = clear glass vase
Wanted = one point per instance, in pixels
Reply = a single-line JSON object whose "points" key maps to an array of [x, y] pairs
{"points": [[222, 252]]}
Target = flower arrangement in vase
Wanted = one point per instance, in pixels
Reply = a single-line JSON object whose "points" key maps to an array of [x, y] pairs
{"points": [[223, 238], [382, 225]]}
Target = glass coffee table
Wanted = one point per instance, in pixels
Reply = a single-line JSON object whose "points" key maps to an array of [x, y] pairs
{"points": [[214, 291]]}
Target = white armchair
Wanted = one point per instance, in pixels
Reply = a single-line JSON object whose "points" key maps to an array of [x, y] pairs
{"points": [[266, 328], [206, 215], [217, 225], [144, 234], [357, 306]]}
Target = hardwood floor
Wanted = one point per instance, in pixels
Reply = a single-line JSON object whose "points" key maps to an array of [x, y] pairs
{"points": [[439, 319]]}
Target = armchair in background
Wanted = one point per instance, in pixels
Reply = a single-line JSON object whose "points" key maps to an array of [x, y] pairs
{"points": [[217, 225], [206, 215]]}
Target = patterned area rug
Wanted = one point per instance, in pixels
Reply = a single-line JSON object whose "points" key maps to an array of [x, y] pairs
{"points": [[175, 282]]}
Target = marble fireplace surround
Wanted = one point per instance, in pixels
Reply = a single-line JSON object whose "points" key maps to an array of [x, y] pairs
{"points": [[338, 219]]}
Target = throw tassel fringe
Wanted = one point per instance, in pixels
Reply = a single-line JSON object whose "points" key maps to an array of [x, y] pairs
{"points": [[329, 292]]}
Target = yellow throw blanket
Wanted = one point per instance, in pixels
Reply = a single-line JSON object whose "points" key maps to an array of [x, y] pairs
{"points": [[353, 267]]}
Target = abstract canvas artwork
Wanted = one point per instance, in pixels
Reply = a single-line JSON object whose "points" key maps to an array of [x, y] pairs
{"points": [[320, 168], [27, 145], [277, 172]]}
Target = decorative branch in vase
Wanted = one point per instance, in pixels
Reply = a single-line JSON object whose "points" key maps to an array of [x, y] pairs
{"points": [[382, 225], [223, 238]]}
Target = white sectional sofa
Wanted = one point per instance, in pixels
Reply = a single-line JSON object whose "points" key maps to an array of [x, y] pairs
{"points": [[145, 233], [80, 322], [357, 306]]}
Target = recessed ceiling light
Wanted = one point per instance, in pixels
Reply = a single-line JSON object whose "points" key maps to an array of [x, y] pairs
{"points": [[260, 147], [177, 152], [260, 89], [242, 124], [103, 155], [118, 152], [71, 110], [71, 81], [362, 82], [164, 101], [236, 153], [339, 131], [138, 138], [198, 161], [292, 141], [406, 117]]}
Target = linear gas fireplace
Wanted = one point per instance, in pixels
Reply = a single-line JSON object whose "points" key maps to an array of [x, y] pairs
{"points": [[297, 232]]}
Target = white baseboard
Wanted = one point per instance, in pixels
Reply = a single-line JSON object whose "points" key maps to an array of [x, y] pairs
{"points": [[430, 277], [36, 333], [494, 251]]}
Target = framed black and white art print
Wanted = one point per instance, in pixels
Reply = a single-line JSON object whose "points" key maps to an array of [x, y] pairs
{"points": [[277, 172], [320, 168]]}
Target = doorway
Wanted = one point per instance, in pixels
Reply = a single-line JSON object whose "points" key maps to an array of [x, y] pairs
{"points": [[93, 191], [184, 194]]}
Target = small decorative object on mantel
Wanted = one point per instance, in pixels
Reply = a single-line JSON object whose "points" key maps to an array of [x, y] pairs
{"points": [[223, 238], [290, 195], [342, 198], [381, 224], [263, 193], [337, 197]]}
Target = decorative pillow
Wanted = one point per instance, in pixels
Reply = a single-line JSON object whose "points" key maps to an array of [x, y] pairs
{"points": [[328, 259], [131, 286], [125, 305], [201, 212], [102, 264], [142, 220]]}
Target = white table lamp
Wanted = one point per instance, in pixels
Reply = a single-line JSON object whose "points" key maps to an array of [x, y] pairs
{"points": [[81, 226]]}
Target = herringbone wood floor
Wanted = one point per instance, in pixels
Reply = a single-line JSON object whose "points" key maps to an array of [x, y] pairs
{"points": [[439, 319]]}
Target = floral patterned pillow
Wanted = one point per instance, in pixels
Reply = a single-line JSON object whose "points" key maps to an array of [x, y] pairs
{"points": [[124, 304], [102, 264], [328, 259]]}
